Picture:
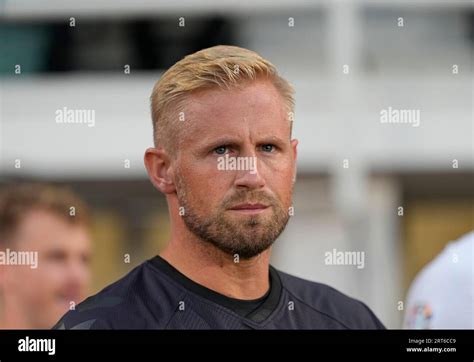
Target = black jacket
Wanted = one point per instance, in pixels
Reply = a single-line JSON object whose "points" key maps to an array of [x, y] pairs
{"points": [[155, 295]]}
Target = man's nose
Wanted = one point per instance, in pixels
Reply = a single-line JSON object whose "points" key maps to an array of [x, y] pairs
{"points": [[250, 177]]}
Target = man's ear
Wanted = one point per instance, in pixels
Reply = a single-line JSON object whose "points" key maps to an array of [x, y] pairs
{"points": [[294, 146], [158, 165]]}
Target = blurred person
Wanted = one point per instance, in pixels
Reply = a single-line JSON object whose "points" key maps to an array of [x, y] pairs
{"points": [[225, 160], [45, 249], [442, 294]]}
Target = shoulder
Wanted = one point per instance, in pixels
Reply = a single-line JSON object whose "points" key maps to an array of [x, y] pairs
{"points": [[428, 305], [144, 298], [454, 262], [326, 300]]}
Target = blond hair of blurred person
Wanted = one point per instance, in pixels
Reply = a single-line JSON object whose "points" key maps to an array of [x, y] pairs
{"points": [[45, 249]]}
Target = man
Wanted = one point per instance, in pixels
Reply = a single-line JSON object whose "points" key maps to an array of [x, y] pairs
{"points": [[225, 160], [442, 295], [44, 255]]}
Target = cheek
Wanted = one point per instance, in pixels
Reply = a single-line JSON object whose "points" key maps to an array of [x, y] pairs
{"points": [[50, 275], [279, 179], [206, 185], [280, 164], [33, 284], [83, 274]]}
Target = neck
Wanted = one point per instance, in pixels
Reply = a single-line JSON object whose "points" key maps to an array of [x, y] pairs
{"points": [[204, 264]]}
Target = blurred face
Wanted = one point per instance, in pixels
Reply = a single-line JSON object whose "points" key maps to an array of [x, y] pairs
{"points": [[240, 209], [62, 276]]}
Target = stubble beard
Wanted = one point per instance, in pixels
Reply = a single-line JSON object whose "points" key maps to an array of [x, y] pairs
{"points": [[246, 235]]}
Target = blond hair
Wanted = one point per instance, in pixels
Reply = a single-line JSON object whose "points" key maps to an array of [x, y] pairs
{"points": [[220, 66]]}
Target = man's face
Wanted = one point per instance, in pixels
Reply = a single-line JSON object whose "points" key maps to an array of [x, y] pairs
{"points": [[62, 275], [250, 122]]}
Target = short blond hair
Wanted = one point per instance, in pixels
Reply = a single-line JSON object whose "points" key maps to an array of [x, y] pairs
{"points": [[221, 66]]}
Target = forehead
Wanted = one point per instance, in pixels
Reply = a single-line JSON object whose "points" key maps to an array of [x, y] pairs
{"points": [[255, 107], [40, 229]]}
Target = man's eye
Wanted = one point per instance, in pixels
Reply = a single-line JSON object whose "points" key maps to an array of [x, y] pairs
{"points": [[268, 148], [56, 256], [221, 150]]}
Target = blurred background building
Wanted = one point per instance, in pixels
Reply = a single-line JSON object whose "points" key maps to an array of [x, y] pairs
{"points": [[399, 192]]}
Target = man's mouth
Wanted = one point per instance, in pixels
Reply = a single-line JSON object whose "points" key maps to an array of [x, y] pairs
{"points": [[249, 208]]}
